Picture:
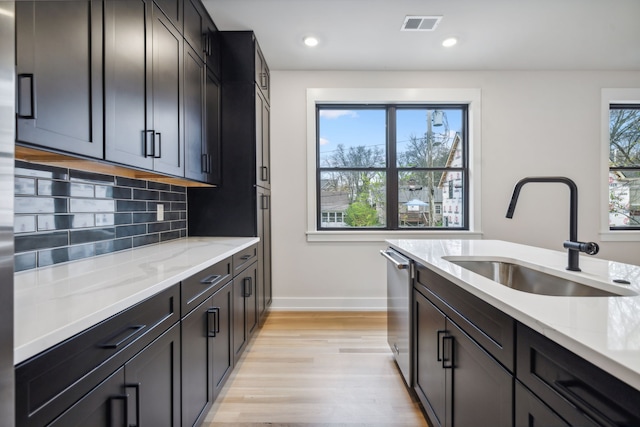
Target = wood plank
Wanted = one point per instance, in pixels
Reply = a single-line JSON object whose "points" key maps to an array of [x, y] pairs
{"points": [[317, 369]]}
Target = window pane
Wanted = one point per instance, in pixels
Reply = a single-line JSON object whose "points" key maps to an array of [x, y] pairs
{"points": [[352, 199], [624, 199], [624, 137], [351, 138], [428, 138], [430, 199]]}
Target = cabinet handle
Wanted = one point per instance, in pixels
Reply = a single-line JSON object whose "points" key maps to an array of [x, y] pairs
{"points": [[263, 81], [450, 360], [438, 335], [136, 330], [125, 410], [213, 332], [148, 152], [210, 279], [264, 202], [245, 257], [136, 387], [203, 163], [248, 286], [264, 173], [21, 99], [157, 154]]}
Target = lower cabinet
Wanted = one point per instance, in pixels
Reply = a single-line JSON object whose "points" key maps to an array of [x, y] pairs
{"points": [[456, 380], [245, 308], [206, 354], [532, 412]]}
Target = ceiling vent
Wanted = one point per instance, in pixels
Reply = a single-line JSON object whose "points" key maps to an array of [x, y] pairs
{"points": [[420, 23]]}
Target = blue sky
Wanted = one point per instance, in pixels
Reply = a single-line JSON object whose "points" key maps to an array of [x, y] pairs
{"points": [[367, 127]]}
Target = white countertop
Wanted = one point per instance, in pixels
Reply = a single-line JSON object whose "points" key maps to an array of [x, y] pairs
{"points": [[603, 330], [54, 303]]}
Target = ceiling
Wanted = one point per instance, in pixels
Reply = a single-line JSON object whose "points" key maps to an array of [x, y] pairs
{"points": [[492, 34]]}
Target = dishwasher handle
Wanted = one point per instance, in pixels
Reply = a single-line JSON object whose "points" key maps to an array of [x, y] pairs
{"points": [[399, 265]]}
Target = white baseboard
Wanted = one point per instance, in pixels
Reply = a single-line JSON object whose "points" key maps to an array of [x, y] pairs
{"points": [[329, 304]]}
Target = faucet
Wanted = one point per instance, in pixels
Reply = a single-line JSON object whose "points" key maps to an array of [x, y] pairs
{"points": [[573, 246]]}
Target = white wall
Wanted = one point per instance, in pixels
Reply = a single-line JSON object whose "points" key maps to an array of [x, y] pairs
{"points": [[533, 123]]}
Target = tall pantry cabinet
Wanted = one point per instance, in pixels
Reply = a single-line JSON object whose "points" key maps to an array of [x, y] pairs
{"points": [[241, 205]]}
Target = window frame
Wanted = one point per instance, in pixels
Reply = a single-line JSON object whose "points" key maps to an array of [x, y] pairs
{"points": [[405, 96], [612, 97], [391, 169]]}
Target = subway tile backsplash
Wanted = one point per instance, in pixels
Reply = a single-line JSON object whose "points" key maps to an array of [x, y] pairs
{"points": [[65, 215]]}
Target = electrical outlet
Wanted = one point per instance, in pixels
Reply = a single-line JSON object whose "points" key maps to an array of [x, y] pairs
{"points": [[160, 212]]}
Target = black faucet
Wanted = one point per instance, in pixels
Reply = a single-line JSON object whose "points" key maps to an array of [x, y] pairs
{"points": [[573, 245]]}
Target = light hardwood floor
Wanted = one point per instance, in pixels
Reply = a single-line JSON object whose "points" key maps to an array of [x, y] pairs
{"points": [[317, 369]]}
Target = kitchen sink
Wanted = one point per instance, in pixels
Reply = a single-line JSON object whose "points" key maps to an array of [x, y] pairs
{"points": [[527, 279]]}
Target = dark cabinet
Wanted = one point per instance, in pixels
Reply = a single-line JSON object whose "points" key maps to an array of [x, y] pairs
{"points": [[456, 380], [240, 206], [60, 383], [262, 76], [245, 308], [143, 88], [578, 391], [59, 75], [532, 412], [173, 9], [202, 120], [152, 379], [201, 34], [206, 354], [265, 294]]}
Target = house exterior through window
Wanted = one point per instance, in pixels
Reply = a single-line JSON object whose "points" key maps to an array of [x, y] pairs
{"points": [[392, 166]]}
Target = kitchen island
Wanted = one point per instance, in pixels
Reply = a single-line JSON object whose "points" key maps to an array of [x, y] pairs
{"points": [[510, 357]]}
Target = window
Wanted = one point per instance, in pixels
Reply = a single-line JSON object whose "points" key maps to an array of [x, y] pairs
{"points": [[624, 166], [392, 166]]}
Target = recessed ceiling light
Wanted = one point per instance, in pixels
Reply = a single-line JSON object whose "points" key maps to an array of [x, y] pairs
{"points": [[451, 41], [310, 41]]}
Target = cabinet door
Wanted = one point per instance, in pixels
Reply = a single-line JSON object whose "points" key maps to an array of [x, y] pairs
{"points": [[263, 160], [211, 150], [104, 406], [532, 412], [264, 251], [59, 75], [153, 378], [430, 376], [173, 9], [127, 81], [221, 304], [244, 308], [167, 146], [196, 160], [197, 361], [481, 389], [262, 76]]}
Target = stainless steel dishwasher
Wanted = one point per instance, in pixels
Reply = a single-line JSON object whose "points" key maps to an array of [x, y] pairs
{"points": [[400, 271]]}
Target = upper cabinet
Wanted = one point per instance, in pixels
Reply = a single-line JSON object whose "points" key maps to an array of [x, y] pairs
{"points": [[262, 76], [59, 76], [143, 87], [173, 9], [201, 34]]}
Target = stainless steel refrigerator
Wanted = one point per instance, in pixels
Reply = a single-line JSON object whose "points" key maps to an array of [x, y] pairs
{"points": [[7, 140]]}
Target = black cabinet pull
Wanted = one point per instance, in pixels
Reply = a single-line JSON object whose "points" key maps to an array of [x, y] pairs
{"points": [[264, 202], [439, 337], [135, 330], [264, 173], [157, 154], [22, 99], [213, 332], [210, 279], [136, 414], [148, 152], [248, 286], [449, 339], [245, 257], [125, 410], [263, 81]]}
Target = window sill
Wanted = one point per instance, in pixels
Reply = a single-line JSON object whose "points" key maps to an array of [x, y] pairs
{"points": [[381, 236], [620, 236]]}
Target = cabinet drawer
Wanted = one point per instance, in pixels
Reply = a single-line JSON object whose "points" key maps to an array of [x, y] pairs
{"points": [[199, 287], [52, 381], [244, 259], [577, 390], [490, 327]]}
